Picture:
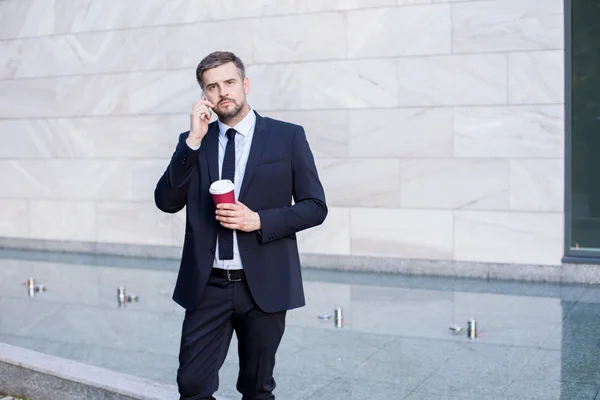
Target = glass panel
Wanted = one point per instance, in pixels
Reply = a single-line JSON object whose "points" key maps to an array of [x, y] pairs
{"points": [[585, 139]]}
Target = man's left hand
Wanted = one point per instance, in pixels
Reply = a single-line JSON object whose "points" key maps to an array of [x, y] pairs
{"points": [[237, 216]]}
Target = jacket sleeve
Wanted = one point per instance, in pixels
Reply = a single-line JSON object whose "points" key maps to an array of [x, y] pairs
{"points": [[309, 207], [171, 190]]}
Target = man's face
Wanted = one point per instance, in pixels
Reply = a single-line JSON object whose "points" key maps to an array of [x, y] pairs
{"points": [[225, 88]]}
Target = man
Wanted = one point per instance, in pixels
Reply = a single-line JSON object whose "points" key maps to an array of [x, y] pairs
{"points": [[240, 268]]}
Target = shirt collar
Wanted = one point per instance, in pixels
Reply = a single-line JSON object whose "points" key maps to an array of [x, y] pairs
{"points": [[243, 127]]}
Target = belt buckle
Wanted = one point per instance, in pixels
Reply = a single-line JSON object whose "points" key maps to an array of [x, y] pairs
{"points": [[229, 277]]}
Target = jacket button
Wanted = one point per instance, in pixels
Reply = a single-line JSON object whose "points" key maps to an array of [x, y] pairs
{"points": [[212, 250]]}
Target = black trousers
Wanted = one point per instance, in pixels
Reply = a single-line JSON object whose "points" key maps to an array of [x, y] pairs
{"points": [[227, 307]]}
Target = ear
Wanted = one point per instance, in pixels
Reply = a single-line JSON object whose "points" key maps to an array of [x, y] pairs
{"points": [[246, 85]]}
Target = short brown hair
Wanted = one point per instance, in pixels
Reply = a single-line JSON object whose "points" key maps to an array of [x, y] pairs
{"points": [[216, 59]]}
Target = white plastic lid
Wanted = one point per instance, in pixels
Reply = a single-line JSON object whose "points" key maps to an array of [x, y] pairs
{"points": [[222, 186]]}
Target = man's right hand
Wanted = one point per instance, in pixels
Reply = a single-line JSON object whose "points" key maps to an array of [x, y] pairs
{"points": [[199, 119]]}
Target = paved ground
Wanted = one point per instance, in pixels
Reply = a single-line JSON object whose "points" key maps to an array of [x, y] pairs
{"points": [[535, 341]]}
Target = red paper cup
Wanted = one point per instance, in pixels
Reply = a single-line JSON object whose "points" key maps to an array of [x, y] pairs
{"points": [[222, 191]]}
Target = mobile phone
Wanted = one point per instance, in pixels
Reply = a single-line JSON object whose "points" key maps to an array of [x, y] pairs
{"points": [[203, 114]]}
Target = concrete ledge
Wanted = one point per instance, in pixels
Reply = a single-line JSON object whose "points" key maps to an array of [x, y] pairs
{"points": [[37, 376], [114, 249], [565, 273]]}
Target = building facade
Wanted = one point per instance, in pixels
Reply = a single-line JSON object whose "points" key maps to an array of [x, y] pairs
{"points": [[440, 127]]}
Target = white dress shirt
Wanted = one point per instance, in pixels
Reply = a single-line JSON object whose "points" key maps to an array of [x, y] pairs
{"points": [[243, 142]]}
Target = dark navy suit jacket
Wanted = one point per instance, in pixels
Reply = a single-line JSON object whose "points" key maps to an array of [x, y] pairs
{"points": [[280, 168]]}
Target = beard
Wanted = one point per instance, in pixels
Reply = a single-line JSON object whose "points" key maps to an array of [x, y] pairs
{"points": [[229, 113]]}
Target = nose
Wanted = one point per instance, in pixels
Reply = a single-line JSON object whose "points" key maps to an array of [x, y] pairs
{"points": [[223, 92]]}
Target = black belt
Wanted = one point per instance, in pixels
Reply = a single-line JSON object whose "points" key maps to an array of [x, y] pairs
{"points": [[233, 275]]}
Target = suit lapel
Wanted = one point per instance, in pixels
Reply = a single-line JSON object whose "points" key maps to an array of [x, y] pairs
{"points": [[211, 147], [261, 134]]}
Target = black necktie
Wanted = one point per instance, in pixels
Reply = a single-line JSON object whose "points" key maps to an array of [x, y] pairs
{"points": [[228, 172]]}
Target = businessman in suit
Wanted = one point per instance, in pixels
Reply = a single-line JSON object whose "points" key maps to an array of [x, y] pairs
{"points": [[240, 268]]}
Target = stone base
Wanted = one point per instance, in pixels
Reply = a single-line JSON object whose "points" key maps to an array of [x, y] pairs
{"points": [[37, 376]]}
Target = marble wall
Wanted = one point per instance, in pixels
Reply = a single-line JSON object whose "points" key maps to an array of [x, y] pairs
{"points": [[437, 125]]}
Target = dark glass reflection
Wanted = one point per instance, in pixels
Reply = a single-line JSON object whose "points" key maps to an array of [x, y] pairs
{"points": [[585, 125], [580, 358]]}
